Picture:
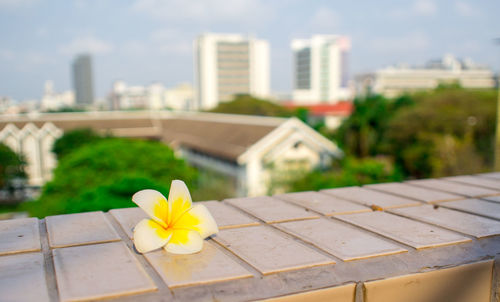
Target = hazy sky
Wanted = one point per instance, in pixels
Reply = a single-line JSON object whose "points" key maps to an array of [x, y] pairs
{"points": [[143, 41]]}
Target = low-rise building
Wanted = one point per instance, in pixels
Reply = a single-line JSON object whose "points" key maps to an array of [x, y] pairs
{"points": [[396, 80], [53, 100], [253, 153], [332, 115]]}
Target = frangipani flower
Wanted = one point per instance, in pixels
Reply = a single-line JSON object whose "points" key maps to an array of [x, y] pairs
{"points": [[176, 224]]}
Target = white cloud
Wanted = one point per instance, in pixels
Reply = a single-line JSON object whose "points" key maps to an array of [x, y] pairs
{"points": [[134, 48], [36, 58], [415, 41], [41, 32], [464, 9], [88, 44], [171, 41], [6, 54], [425, 8], [211, 11], [324, 19], [17, 3]]}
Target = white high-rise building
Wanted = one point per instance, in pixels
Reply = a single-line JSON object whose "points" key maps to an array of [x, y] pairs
{"points": [[321, 69], [230, 64]]}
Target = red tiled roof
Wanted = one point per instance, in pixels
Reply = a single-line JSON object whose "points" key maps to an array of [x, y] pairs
{"points": [[343, 108]]}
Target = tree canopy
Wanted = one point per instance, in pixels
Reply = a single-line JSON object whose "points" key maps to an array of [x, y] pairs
{"points": [[74, 139], [446, 131], [105, 175], [247, 104], [11, 167], [350, 171]]}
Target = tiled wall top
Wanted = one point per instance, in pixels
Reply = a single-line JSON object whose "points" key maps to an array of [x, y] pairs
{"points": [[294, 244]]}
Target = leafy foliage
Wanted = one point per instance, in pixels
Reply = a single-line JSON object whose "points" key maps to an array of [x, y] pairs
{"points": [[247, 104], [74, 139], [363, 133], [348, 172], [105, 174], [448, 131], [11, 167]]}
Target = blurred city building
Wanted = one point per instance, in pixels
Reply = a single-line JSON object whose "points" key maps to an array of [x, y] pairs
{"points": [[253, 153], [331, 115], [5, 103], [83, 80], [51, 100], [230, 64], [155, 96], [396, 80], [321, 69], [9, 106]]}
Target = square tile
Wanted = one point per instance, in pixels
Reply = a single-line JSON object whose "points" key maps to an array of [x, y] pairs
{"points": [[128, 218], [339, 239], [453, 187], [99, 271], [208, 266], [271, 210], [22, 278], [344, 293], [227, 216], [268, 250], [465, 283], [19, 235], [465, 223], [489, 183], [78, 229], [492, 198], [410, 232], [475, 206], [371, 198], [414, 192], [494, 175], [322, 203]]}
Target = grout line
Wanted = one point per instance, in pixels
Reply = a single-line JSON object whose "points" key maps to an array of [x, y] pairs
{"points": [[418, 219], [495, 281], [235, 258], [360, 293], [50, 273], [467, 212], [163, 289]]}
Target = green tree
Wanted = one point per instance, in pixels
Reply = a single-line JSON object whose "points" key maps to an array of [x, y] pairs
{"points": [[11, 167], [448, 131], [247, 104], [363, 133], [74, 139], [348, 172], [105, 174]]}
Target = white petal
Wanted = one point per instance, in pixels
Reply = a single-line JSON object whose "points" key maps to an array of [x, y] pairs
{"points": [[179, 200], [149, 235], [154, 204], [198, 219], [184, 242]]}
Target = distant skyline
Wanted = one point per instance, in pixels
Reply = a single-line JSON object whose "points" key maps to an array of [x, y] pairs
{"points": [[145, 41]]}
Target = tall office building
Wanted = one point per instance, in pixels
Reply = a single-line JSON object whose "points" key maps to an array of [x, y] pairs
{"points": [[230, 64], [82, 80], [320, 69]]}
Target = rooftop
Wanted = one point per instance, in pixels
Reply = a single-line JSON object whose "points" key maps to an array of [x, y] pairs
{"points": [[223, 135], [425, 240]]}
